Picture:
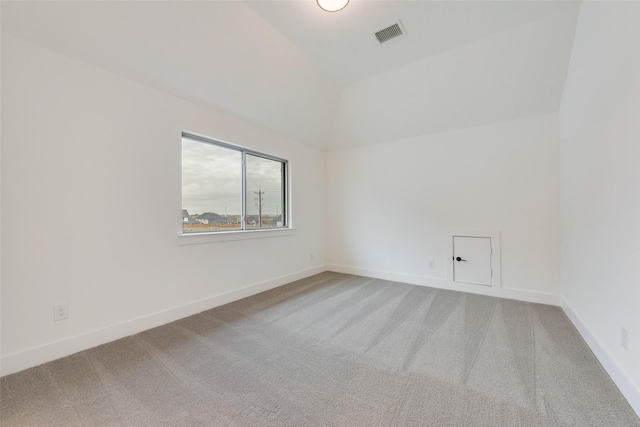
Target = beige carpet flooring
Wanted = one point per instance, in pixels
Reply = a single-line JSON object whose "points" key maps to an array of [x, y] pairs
{"points": [[332, 350]]}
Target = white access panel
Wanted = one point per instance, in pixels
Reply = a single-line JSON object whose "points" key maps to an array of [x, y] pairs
{"points": [[472, 260]]}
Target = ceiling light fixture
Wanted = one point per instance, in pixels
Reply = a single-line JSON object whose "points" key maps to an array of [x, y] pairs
{"points": [[332, 5]]}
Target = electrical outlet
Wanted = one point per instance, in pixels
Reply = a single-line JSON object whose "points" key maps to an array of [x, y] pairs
{"points": [[624, 338], [311, 257], [432, 264], [60, 311]]}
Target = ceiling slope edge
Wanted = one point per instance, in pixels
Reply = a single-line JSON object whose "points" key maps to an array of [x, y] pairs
{"points": [[513, 74]]}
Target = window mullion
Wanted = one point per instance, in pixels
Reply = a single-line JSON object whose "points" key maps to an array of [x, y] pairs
{"points": [[244, 190], [283, 197]]}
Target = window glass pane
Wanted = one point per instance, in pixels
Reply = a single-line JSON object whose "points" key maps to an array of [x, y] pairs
{"points": [[211, 187], [265, 193]]}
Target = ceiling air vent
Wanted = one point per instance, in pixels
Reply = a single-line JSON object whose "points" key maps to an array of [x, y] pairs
{"points": [[390, 32]]}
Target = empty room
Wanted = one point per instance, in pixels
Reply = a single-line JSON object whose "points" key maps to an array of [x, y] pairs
{"points": [[320, 213]]}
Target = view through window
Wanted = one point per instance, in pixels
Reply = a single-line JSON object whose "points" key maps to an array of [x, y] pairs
{"points": [[227, 188]]}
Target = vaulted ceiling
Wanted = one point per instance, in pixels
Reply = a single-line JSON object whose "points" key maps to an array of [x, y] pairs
{"points": [[323, 78]]}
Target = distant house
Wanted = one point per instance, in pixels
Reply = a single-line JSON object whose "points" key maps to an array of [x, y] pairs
{"points": [[186, 218], [211, 218]]}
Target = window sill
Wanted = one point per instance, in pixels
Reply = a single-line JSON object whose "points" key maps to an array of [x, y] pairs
{"points": [[225, 236]]}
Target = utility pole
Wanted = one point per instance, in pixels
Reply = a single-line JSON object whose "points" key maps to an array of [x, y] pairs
{"points": [[259, 204]]}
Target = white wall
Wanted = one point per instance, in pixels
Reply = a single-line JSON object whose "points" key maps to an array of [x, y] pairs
{"points": [[390, 206], [219, 54], [91, 208], [600, 131]]}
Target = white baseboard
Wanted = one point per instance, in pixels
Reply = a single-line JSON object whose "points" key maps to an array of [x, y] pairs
{"points": [[509, 293], [627, 387], [25, 359]]}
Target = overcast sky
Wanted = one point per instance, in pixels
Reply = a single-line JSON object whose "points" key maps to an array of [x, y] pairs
{"points": [[212, 182]]}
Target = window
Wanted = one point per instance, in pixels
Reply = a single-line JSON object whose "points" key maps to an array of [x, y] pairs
{"points": [[229, 188]]}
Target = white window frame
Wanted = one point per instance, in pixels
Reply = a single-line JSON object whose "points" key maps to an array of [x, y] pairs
{"points": [[243, 233]]}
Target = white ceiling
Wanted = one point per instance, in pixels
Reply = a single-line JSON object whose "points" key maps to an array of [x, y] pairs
{"points": [[519, 72], [322, 78], [343, 44]]}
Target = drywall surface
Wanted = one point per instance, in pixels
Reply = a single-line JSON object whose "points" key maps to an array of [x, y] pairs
{"points": [[391, 207], [600, 152], [513, 74], [91, 205], [219, 54]]}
